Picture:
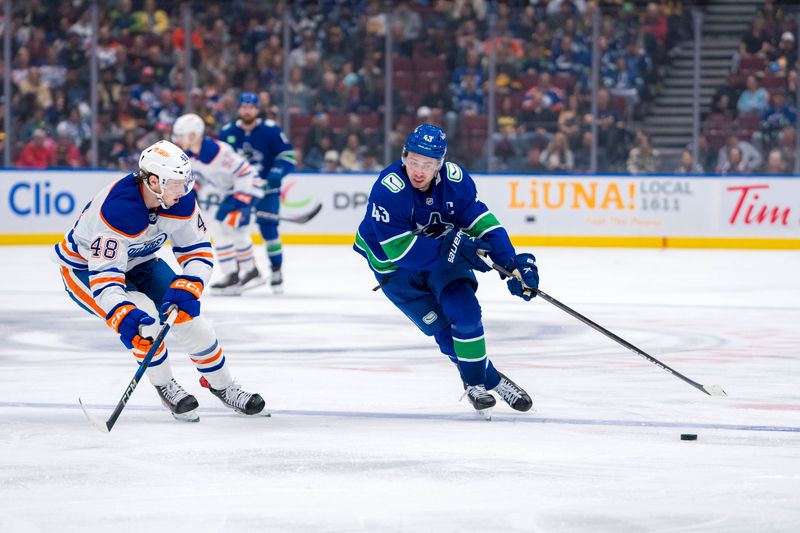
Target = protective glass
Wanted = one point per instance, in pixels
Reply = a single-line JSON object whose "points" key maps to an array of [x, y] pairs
{"points": [[179, 187]]}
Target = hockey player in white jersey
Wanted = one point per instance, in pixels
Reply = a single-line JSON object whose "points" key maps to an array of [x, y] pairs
{"points": [[228, 186], [110, 269]]}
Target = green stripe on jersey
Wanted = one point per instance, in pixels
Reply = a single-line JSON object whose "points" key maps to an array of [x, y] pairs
{"points": [[483, 225], [399, 245], [287, 155], [471, 350], [381, 267]]}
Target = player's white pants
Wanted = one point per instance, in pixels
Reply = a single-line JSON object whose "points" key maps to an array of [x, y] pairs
{"points": [[233, 247]]}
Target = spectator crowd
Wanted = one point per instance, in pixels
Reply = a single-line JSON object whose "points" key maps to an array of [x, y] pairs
{"points": [[751, 124], [335, 89]]}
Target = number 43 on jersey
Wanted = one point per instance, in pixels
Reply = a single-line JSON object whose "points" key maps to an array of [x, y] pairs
{"points": [[380, 214]]}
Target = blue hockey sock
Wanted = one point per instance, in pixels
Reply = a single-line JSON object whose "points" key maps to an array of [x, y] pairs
{"points": [[273, 241], [464, 312]]}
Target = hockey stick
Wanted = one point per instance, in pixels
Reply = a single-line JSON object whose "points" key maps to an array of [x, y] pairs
{"points": [[106, 426], [299, 219], [711, 390]]}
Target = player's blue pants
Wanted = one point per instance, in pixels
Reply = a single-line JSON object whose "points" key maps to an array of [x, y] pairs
{"points": [[442, 304], [271, 203], [152, 278]]}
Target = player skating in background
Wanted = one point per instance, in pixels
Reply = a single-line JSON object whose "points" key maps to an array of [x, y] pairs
{"points": [[266, 147], [412, 238], [228, 186], [110, 269]]}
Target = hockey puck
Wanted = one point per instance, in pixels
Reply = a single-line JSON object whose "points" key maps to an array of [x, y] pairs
{"points": [[688, 436]]}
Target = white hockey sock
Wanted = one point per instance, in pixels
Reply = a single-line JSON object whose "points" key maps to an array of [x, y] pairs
{"points": [[226, 258], [200, 341], [245, 258]]}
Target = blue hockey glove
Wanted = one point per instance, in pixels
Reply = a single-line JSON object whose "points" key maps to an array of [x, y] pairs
{"points": [[526, 276], [459, 249], [234, 202], [184, 292], [126, 319]]}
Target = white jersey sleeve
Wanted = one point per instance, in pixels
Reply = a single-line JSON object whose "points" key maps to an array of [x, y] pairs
{"points": [[190, 242], [218, 166]]}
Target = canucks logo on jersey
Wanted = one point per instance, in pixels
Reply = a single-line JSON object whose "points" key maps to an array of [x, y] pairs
{"points": [[435, 227]]}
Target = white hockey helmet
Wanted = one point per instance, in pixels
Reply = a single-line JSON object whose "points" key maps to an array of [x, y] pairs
{"points": [[167, 162], [185, 125]]}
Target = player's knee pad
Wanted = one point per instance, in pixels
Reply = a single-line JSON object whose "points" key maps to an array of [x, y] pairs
{"points": [[461, 305], [241, 238], [140, 300], [223, 235], [196, 335], [268, 228]]}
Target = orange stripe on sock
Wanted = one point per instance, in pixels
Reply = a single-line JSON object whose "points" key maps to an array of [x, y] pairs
{"points": [[210, 359]]}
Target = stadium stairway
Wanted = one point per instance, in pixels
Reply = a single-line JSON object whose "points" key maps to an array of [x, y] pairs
{"points": [[669, 121]]}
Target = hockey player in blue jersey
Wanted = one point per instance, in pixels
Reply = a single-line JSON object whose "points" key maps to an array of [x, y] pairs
{"points": [[266, 147], [422, 234], [110, 268]]}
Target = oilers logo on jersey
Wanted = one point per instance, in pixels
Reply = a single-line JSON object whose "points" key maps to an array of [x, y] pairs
{"points": [[148, 247]]}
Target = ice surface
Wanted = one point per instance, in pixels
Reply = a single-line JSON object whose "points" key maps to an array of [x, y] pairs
{"points": [[367, 433]]}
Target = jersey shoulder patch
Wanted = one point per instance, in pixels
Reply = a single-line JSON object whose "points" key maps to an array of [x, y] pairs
{"points": [[393, 182], [228, 133], [123, 209], [454, 172]]}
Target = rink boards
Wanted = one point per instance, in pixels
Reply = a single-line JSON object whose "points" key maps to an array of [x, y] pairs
{"points": [[36, 207]]}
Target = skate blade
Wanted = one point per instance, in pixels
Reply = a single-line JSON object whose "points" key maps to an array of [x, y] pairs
{"points": [[228, 291], [252, 284], [277, 289], [263, 414], [189, 416], [486, 414]]}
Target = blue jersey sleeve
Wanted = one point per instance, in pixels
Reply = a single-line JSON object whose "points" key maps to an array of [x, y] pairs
{"points": [[390, 207], [285, 158], [476, 218]]}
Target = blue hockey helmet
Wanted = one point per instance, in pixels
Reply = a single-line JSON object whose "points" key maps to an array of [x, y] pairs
{"points": [[427, 140], [248, 98]]}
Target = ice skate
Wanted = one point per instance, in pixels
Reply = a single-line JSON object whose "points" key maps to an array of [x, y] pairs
{"points": [[481, 400], [246, 403], [276, 280], [228, 285], [251, 279], [513, 394], [181, 404]]}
